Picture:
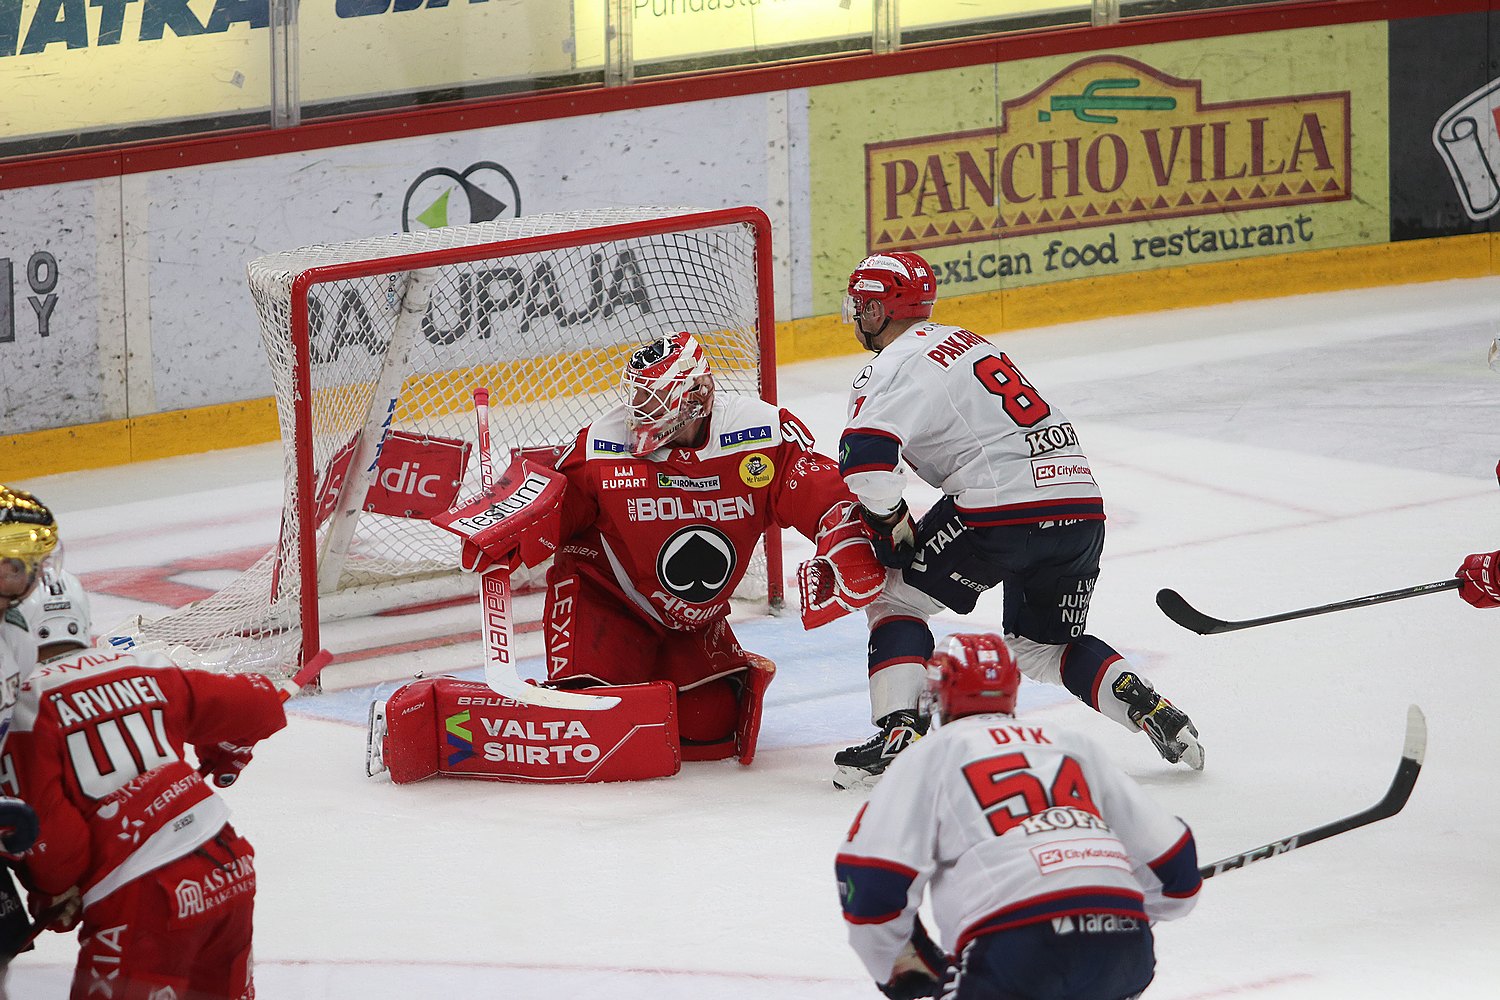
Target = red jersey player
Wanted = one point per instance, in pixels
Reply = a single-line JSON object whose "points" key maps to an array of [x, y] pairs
{"points": [[663, 499], [1480, 572], [130, 830]]}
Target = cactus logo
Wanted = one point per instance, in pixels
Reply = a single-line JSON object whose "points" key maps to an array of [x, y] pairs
{"points": [[442, 197], [460, 738]]}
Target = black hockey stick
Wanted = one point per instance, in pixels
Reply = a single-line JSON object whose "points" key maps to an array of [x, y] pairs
{"points": [[1395, 797], [1175, 607], [43, 920]]}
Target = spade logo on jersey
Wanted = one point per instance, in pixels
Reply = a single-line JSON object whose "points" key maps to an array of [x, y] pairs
{"points": [[442, 197], [696, 563]]}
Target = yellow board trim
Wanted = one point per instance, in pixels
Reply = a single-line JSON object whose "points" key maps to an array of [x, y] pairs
{"points": [[233, 425], [138, 439]]}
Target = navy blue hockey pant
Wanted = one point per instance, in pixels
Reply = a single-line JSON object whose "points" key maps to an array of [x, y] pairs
{"points": [[1048, 572], [1036, 962]]}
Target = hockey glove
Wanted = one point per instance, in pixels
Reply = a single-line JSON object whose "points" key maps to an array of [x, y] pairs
{"points": [[919, 969], [18, 826], [223, 762], [845, 575], [1480, 574], [56, 913], [894, 535]]}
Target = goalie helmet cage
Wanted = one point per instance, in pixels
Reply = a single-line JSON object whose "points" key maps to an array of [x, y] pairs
{"points": [[378, 339]]}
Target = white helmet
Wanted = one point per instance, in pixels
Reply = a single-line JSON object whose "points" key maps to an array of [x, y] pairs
{"points": [[57, 611]]}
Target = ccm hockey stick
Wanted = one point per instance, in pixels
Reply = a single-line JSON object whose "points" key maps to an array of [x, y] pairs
{"points": [[1176, 607], [1395, 798]]}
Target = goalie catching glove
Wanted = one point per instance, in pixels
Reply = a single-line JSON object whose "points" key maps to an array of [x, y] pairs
{"points": [[845, 575]]}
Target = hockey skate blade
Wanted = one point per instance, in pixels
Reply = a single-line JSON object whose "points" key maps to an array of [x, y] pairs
{"points": [[1192, 755], [375, 740], [853, 779]]}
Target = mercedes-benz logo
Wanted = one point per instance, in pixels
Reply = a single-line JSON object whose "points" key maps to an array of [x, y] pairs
{"points": [[696, 563], [443, 197]]}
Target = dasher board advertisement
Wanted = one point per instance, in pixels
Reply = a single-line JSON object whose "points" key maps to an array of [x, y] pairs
{"points": [[1090, 164]]}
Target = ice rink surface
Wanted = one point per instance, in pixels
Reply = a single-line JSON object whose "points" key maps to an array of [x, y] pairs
{"points": [[1257, 457]]}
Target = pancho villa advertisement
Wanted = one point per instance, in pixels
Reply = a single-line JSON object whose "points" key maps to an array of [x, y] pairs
{"points": [[1099, 163]]}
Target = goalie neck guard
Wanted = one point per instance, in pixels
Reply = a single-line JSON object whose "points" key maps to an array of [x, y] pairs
{"points": [[667, 385]]}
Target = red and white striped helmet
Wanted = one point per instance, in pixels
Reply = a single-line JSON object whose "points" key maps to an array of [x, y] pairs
{"points": [[667, 384], [901, 280], [973, 675]]}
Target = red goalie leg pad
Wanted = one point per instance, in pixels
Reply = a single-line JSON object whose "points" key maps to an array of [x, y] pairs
{"points": [[709, 713], [482, 734], [409, 749], [758, 676]]}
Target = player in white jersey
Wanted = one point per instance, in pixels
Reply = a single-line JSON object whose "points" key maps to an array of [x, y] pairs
{"points": [[1020, 508], [28, 540], [1045, 864]]}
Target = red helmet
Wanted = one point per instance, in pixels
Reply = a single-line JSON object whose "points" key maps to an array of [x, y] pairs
{"points": [[901, 280], [667, 384], [974, 675]]}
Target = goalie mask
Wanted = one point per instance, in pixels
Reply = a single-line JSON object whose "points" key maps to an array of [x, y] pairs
{"points": [[667, 385], [973, 675], [58, 610], [901, 281], [28, 541]]}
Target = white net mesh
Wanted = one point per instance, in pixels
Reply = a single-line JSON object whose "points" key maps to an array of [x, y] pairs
{"points": [[547, 331]]}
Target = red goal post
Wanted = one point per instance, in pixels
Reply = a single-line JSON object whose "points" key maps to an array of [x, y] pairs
{"points": [[375, 347]]}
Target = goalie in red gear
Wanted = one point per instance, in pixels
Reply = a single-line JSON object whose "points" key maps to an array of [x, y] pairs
{"points": [[664, 499], [131, 835]]}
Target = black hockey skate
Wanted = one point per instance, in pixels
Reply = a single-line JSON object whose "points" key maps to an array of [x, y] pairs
{"points": [[862, 765], [1171, 731]]}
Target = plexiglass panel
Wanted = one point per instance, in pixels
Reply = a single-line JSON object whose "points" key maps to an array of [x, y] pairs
{"points": [[87, 72], [82, 73]]}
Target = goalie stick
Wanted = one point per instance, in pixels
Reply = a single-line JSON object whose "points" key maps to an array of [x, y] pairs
{"points": [[1395, 798], [495, 604], [1176, 607]]}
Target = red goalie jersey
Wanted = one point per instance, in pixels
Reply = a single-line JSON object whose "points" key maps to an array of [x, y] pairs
{"points": [[96, 747], [672, 533]]}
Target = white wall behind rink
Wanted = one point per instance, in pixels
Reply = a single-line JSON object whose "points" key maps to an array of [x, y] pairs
{"points": [[152, 311]]}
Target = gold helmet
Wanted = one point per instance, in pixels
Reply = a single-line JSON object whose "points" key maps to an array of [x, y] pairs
{"points": [[28, 531]]}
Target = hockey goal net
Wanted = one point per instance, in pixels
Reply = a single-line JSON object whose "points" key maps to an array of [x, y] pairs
{"points": [[376, 346]]}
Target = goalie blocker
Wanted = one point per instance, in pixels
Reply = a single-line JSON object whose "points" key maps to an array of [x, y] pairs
{"points": [[464, 729]]}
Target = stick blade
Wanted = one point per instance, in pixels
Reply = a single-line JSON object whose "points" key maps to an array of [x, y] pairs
{"points": [[1176, 607], [1416, 735]]}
